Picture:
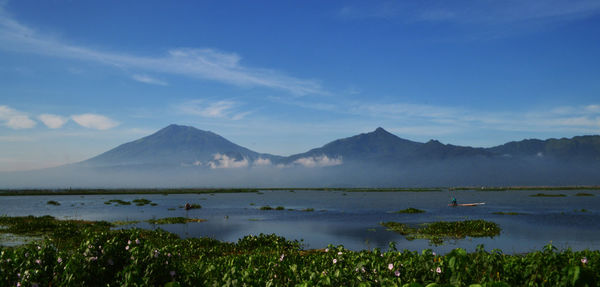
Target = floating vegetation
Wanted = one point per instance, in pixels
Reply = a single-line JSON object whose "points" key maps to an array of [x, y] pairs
{"points": [[118, 202], [266, 207], [507, 213], [279, 208], [437, 232], [137, 257], [171, 208], [584, 194], [308, 209], [252, 204], [153, 204], [548, 195], [52, 202], [141, 201], [194, 206], [410, 210], [174, 220]]}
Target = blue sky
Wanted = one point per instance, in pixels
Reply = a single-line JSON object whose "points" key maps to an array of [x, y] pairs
{"points": [[80, 77]]}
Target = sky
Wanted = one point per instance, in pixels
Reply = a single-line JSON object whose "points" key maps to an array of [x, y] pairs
{"points": [[78, 78]]}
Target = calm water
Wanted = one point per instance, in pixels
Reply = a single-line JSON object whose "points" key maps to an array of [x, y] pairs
{"points": [[347, 218]]}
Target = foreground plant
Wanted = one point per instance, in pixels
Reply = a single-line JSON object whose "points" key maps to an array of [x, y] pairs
{"points": [[136, 257]]}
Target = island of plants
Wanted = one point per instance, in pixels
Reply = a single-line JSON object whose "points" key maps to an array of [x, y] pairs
{"points": [[85, 253], [437, 232]]}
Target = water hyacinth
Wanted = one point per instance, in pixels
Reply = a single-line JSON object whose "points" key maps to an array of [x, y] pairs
{"points": [[334, 261], [438, 270], [397, 273], [584, 260], [390, 266]]}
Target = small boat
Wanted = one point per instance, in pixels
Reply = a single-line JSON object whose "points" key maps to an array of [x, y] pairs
{"points": [[468, 204]]}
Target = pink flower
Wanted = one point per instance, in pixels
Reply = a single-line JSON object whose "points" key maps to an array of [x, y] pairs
{"points": [[38, 261], [334, 261], [326, 249], [584, 260], [390, 266], [59, 260], [438, 270], [168, 254], [340, 253], [18, 284], [281, 258], [137, 241], [128, 242], [397, 273], [127, 247]]}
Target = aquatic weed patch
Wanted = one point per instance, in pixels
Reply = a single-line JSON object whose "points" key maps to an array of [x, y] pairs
{"points": [[584, 194], [117, 202], [53, 202], [437, 232], [410, 210], [136, 257], [141, 201], [548, 195], [174, 220]]}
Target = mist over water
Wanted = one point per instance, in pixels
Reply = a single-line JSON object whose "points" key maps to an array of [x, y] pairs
{"points": [[423, 174]]}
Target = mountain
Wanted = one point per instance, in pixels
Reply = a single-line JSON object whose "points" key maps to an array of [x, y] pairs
{"points": [[183, 156], [382, 147], [176, 145], [585, 148]]}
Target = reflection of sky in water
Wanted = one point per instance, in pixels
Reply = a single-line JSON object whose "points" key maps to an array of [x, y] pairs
{"points": [[347, 218]]}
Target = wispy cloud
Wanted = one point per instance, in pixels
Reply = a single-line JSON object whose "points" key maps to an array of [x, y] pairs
{"points": [[94, 121], [217, 109], [149, 80], [52, 121], [479, 12], [15, 119], [208, 64]]}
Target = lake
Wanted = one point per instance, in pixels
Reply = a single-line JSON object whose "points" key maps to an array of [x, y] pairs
{"points": [[346, 218]]}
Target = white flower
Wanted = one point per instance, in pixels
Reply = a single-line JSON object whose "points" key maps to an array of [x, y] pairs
{"points": [[326, 249], [390, 266], [334, 261], [584, 260], [340, 253], [127, 247], [438, 270]]}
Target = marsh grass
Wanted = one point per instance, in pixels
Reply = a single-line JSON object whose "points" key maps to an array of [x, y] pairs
{"points": [[548, 195], [118, 202], [410, 210], [437, 232], [174, 220]]}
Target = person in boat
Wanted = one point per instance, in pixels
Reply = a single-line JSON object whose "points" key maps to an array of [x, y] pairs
{"points": [[454, 201], [187, 206]]}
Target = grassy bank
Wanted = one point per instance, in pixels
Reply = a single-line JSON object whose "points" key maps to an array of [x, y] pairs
{"points": [[101, 257]]}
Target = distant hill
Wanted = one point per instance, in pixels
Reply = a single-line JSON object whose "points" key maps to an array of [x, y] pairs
{"points": [[185, 156], [176, 145]]}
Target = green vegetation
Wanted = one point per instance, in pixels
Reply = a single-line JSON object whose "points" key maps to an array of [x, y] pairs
{"points": [[266, 207], [13, 192], [98, 256], [53, 202], [118, 202], [308, 209], [547, 195], [437, 232], [410, 210], [506, 213], [506, 188], [584, 194], [279, 208], [141, 201], [174, 220], [195, 206]]}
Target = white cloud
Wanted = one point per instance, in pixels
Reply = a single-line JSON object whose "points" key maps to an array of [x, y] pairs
{"points": [[208, 64], [318, 161], [15, 119], [262, 162], [224, 161], [52, 121], [94, 121], [149, 80], [219, 109]]}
